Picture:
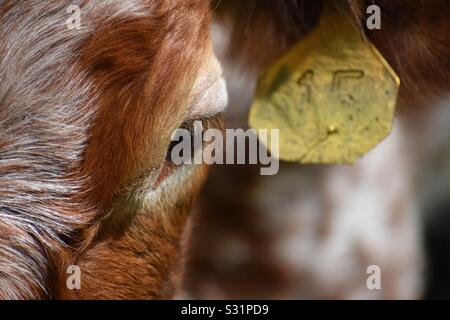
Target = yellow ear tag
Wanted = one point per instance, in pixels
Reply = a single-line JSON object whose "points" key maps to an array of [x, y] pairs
{"points": [[332, 96]]}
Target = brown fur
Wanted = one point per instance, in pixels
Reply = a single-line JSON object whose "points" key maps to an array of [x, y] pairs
{"points": [[85, 122]]}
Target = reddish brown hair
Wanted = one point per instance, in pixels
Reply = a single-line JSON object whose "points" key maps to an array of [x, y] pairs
{"points": [[85, 118]]}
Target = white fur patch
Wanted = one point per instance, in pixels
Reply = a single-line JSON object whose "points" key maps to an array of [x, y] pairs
{"points": [[209, 94]]}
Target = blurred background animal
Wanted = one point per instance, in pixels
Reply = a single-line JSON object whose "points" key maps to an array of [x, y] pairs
{"points": [[312, 231]]}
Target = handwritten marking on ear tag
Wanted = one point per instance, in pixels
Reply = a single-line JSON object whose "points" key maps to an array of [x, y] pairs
{"points": [[332, 96]]}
